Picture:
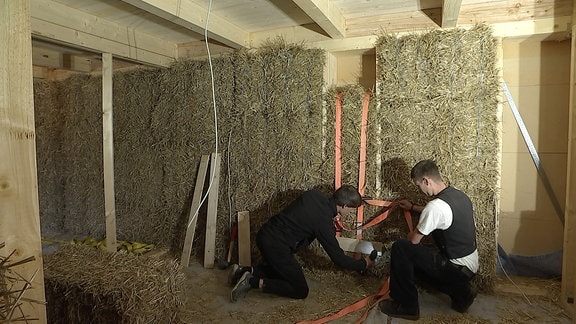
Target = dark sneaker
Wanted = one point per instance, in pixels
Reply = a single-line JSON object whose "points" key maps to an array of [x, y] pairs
{"points": [[236, 272], [395, 309], [241, 288], [463, 305]]}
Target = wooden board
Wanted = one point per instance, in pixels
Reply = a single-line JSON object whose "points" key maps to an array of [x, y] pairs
{"points": [[194, 209], [568, 291], [19, 208], [244, 255], [211, 214], [108, 152]]}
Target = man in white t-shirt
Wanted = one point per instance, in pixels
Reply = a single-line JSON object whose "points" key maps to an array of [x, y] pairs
{"points": [[449, 218]]}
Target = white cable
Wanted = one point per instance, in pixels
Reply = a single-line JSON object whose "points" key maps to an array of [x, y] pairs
{"points": [[229, 182], [213, 165], [512, 281]]}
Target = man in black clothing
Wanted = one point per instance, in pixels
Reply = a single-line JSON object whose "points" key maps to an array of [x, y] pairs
{"points": [[311, 216], [449, 218]]}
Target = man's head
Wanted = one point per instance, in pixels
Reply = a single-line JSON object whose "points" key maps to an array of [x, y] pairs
{"points": [[347, 196], [426, 176], [347, 199]]}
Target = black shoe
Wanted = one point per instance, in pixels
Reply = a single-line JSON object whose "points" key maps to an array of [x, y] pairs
{"points": [[395, 309], [462, 306], [236, 272], [241, 288]]}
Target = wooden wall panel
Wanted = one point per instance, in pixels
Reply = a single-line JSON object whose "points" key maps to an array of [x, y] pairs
{"points": [[569, 261], [537, 76]]}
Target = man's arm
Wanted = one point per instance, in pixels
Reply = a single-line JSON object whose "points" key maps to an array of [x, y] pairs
{"points": [[415, 236]]}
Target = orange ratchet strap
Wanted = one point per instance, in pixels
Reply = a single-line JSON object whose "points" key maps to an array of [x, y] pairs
{"points": [[368, 302], [338, 146], [382, 216], [362, 163], [338, 143]]}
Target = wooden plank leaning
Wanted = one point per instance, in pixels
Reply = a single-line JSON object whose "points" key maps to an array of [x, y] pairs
{"points": [[194, 209], [244, 256], [210, 243]]}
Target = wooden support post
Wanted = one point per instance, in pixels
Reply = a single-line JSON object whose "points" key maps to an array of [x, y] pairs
{"points": [[194, 210], [568, 292], [211, 214], [108, 152], [19, 207], [244, 255]]}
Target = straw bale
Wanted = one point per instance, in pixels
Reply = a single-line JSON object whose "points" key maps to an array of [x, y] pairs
{"points": [[277, 140], [82, 153], [438, 99], [86, 285], [49, 125]]}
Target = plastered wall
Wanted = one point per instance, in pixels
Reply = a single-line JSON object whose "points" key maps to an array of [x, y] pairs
{"points": [[537, 74]]}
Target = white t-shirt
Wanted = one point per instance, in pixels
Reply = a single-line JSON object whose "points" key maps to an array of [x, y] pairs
{"points": [[437, 214]]}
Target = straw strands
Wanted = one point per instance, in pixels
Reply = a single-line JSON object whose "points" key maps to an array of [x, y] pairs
{"points": [[268, 103], [84, 284], [438, 99]]}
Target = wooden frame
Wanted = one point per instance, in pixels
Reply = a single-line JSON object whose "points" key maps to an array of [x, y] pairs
{"points": [[568, 292]]}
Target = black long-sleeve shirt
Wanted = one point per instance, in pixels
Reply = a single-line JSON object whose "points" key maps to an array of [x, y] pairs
{"points": [[307, 218]]}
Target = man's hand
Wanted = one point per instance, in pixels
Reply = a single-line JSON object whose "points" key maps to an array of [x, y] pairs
{"points": [[406, 204], [369, 261]]}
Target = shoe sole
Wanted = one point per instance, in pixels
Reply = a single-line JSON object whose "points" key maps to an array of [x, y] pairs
{"points": [[236, 293], [232, 274]]}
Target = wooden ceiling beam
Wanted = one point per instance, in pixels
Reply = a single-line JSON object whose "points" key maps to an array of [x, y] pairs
{"points": [[536, 28], [192, 16], [60, 24], [450, 12], [326, 15]]}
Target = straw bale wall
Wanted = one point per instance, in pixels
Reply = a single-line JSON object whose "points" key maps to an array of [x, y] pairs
{"points": [[268, 107], [436, 98]]}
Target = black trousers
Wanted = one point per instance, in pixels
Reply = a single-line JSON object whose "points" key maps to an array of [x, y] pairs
{"points": [[281, 273], [408, 261]]}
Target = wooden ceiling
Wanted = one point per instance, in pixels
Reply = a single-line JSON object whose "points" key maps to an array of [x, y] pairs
{"points": [[72, 34]]}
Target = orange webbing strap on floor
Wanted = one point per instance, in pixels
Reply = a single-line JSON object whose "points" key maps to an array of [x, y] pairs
{"points": [[367, 302], [384, 293], [362, 163], [372, 300]]}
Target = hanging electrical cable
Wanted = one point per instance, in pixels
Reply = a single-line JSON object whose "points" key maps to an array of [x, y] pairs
{"points": [[213, 165]]}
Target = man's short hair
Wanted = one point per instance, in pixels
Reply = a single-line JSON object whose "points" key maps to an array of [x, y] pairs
{"points": [[425, 168], [347, 196]]}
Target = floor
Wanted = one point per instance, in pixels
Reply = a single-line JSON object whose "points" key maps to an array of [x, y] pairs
{"points": [[516, 300]]}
